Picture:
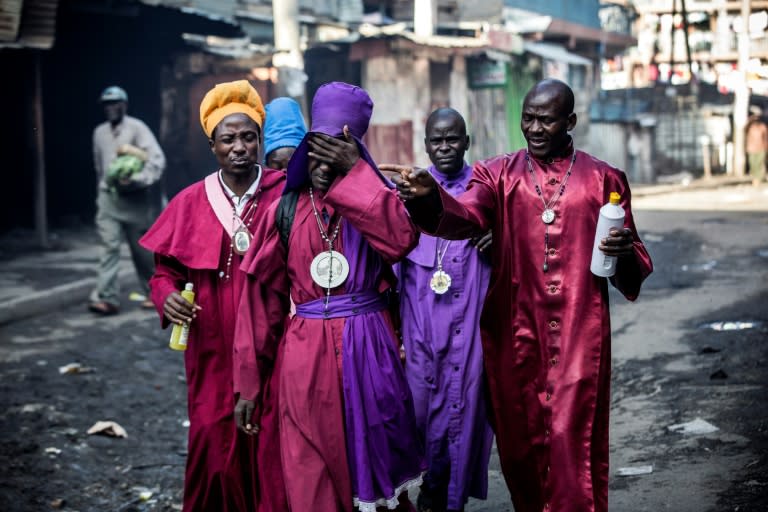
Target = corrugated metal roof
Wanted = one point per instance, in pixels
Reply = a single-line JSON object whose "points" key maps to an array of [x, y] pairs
{"points": [[36, 27], [10, 19], [236, 48], [556, 52]]}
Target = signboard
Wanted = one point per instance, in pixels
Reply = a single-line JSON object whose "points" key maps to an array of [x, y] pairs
{"points": [[486, 73]]}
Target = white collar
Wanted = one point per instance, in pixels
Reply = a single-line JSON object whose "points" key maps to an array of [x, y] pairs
{"points": [[238, 201]]}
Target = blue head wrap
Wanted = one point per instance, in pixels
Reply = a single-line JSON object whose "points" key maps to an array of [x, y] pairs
{"points": [[284, 126]]}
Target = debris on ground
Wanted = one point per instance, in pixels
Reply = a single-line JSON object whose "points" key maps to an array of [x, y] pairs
{"points": [[52, 450], [635, 471], [696, 427], [74, 368], [730, 326], [719, 375], [136, 297], [107, 428], [710, 350]]}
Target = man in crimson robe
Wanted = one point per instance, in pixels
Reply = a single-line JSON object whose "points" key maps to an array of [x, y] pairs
{"points": [[545, 322], [348, 435], [199, 239], [441, 335]]}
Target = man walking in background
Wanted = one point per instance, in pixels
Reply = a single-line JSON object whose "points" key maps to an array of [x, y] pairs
{"points": [[757, 146], [442, 288], [128, 162]]}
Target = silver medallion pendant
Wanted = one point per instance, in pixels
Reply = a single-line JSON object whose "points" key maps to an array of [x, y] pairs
{"points": [[329, 269], [241, 241], [440, 282], [548, 216]]}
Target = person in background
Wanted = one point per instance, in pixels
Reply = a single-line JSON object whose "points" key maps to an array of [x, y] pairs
{"points": [[545, 323], [129, 164], [442, 288], [200, 238], [284, 129], [347, 429], [756, 147]]}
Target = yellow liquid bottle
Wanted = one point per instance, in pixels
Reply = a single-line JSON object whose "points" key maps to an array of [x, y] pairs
{"points": [[180, 333]]}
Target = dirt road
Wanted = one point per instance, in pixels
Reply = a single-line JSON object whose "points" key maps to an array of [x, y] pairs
{"points": [[668, 369]]}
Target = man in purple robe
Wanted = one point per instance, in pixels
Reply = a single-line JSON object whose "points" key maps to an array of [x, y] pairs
{"points": [[443, 285]]}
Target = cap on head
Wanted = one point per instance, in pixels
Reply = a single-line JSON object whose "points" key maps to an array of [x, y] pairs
{"points": [[284, 125], [113, 93], [337, 104], [237, 97]]}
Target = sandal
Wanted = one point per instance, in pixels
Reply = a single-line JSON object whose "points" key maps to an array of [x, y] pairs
{"points": [[103, 308]]}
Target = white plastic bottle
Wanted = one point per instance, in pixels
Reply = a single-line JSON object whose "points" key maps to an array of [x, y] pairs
{"points": [[611, 216]]}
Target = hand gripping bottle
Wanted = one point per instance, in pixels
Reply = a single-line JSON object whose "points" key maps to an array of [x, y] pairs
{"points": [[611, 216], [180, 333]]}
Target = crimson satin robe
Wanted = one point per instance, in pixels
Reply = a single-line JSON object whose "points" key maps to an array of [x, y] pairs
{"points": [[546, 336], [311, 408], [226, 469]]}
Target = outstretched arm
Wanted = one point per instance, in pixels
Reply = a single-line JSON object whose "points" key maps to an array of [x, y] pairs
{"points": [[438, 213]]}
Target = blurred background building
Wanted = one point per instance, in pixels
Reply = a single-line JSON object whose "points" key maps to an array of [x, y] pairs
{"points": [[647, 100]]}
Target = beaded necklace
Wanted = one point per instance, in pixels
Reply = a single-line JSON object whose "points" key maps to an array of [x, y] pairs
{"points": [[329, 240], [548, 215], [244, 222]]}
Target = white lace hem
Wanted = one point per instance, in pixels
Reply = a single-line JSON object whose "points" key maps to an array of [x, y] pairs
{"points": [[390, 503]]}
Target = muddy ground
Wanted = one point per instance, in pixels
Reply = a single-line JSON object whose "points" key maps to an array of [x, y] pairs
{"points": [[48, 462]]}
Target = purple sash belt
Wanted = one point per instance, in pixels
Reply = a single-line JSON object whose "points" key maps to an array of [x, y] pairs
{"points": [[339, 306]]}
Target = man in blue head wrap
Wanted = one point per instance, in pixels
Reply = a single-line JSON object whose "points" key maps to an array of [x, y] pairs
{"points": [[284, 129]]}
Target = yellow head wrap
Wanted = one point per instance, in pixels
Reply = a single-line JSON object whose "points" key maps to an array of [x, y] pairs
{"points": [[237, 97]]}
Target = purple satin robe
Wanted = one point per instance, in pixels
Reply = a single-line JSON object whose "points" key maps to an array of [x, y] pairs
{"points": [[444, 358]]}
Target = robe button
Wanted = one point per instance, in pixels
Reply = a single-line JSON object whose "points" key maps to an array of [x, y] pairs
{"points": [[355, 310], [458, 331], [553, 289], [553, 323], [553, 361], [354, 298], [455, 260], [336, 350], [546, 433], [552, 181], [552, 252], [456, 295], [430, 379], [549, 397], [455, 368]]}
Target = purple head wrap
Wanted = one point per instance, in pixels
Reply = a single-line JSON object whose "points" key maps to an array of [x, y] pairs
{"points": [[335, 104]]}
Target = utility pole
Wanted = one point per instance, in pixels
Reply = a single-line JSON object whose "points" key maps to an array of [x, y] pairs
{"points": [[41, 211], [741, 95], [288, 59], [424, 17]]}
